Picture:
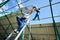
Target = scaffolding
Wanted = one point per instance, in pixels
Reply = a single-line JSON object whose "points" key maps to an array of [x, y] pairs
{"points": [[9, 25]]}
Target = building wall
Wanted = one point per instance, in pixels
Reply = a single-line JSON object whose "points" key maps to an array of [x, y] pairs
{"points": [[43, 31], [7, 24]]}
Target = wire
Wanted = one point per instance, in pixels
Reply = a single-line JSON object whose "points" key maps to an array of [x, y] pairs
{"points": [[17, 5], [49, 5], [40, 7], [49, 17]]}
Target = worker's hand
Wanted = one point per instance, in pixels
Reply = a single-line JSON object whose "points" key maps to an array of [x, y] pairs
{"points": [[38, 8]]}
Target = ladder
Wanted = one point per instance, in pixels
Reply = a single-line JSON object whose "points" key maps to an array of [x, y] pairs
{"points": [[18, 35]]}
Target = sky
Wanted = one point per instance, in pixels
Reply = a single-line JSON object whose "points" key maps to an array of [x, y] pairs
{"points": [[44, 12]]}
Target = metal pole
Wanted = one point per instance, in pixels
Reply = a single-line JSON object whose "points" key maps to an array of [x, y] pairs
{"points": [[22, 34], [9, 22], [29, 25], [54, 24], [21, 31], [3, 3], [29, 29]]}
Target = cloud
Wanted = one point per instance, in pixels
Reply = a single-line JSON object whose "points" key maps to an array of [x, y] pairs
{"points": [[21, 5], [0, 1], [1, 15], [1, 10], [5, 7], [19, 2], [16, 7], [5, 0]]}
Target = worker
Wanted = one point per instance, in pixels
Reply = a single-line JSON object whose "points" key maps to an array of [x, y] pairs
{"points": [[21, 21], [37, 14]]}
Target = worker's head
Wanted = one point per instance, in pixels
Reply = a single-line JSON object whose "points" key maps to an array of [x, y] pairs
{"points": [[34, 7]]}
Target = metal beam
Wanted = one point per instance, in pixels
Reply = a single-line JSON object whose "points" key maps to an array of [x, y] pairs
{"points": [[9, 21], [3, 3], [40, 7], [57, 35]]}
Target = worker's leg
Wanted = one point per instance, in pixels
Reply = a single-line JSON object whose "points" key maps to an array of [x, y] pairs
{"points": [[38, 17], [19, 28], [35, 17], [18, 20], [24, 20], [21, 23]]}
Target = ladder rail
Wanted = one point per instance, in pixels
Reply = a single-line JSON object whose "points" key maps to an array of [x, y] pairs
{"points": [[21, 31], [18, 35], [10, 35]]}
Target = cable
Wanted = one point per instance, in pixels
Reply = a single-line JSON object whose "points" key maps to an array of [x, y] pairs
{"points": [[48, 17], [17, 5], [3, 3], [49, 5], [40, 7]]}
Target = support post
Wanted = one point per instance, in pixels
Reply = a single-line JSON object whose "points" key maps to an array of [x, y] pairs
{"points": [[3, 3], [54, 24], [29, 25], [21, 36]]}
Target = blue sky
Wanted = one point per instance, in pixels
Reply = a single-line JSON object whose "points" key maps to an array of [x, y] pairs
{"points": [[44, 12]]}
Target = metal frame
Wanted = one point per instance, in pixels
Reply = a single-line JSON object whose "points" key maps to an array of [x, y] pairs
{"points": [[41, 18], [57, 35]]}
